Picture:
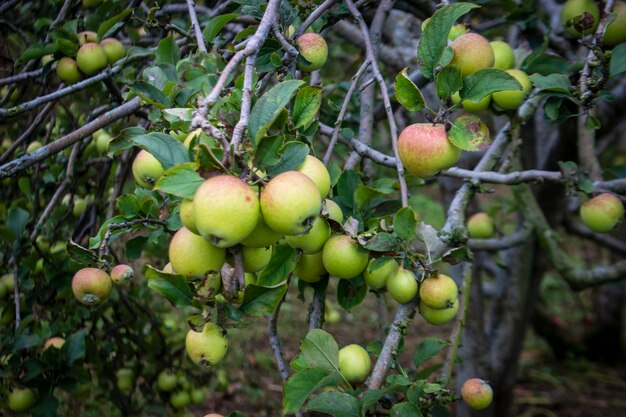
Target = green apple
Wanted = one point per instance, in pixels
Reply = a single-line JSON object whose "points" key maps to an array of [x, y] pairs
{"points": [[146, 169], [262, 236], [186, 216], [310, 268], [102, 141], [91, 58], [80, 205], [256, 259], [207, 347], [343, 257], [180, 399], [424, 149], [166, 381], [91, 286], [602, 213], [377, 278], [616, 30], [113, 49], [512, 99], [312, 241], [480, 226], [87, 37], [477, 393], [354, 363], [331, 315], [402, 285], [573, 11], [67, 71], [438, 291], [194, 257], [472, 106], [33, 146], [54, 342], [315, 169], [125, 379], [439, 316], [290, 202], [122, 274], [334, 211], [21, 399], [225, 210], [7, 281], [504, 57], [198, 395], [472, 53], [313, 52]]}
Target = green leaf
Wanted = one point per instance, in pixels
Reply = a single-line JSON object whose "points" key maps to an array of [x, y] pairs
{"points": [[469, 133], [407, 92], [382, 242], [307, 104], [439, 410], [124, 140], [74, 347], [292, 156], [150, 94], [260, 301], [405, 223], [405, 409], [301, 385], [320, 351], [181, 180], [173, 287], [337, 404], [268, 151], [554, 82], [167, 150], [435, 36], [25, 341], [269, 106], [17, 218], [111, 25], [167, 52], [79, 254], [347, 184], [216, 24], [35, 51], [283, 262], [618, 60], [448, 81], [351, 292], [480, 84], [427, 349]]}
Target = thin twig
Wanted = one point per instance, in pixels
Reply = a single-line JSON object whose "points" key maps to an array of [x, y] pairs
{"points": [[27, 75], [37, 121], [196, 26], [16, 293], [315, 14]]}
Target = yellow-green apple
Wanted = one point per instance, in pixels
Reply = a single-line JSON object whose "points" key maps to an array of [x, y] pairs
{"points": [[472, 53], [186, 216], [122, 274], [602, 213], [312, 241], [225, 210], [334, 211], [585, 10], [192, 256], [512, 99], [290, 202], [504, 57], [102, 139], [87, 37], [438, 291], [402, 285], [198, 395], [146, 169], [472, 106], [425, 149], [439, 316], [310, 268], [315, 169], [477, 393], [616, 30], [166, 381], [55, 342], [313, 52], [480, 226], [114, 49], [207, 347], [180, 399], [343, 257], [80, 205], [21, 399], [33, 146], [91, 286], [262, 236], [7, 281], [331, 315], [354, 363], [67, 71], [125, 379], [255, 259], [377, 278], [91, 58]]}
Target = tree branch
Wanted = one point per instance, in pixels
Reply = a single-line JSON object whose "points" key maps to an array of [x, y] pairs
{"points": [[196, 26]]}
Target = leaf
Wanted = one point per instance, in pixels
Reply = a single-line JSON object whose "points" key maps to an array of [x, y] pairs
{"points": [[307, 104], [181, 180], [553, 82], [351, 292], [429, 237], [435, 36], [382, 242], [618, 60], [269, 106], [268, 151], [124, 140], [173, 287], [301, 385], [167, 52], [283, 262], [111, 25], [260, 301], [17, 218], [79, 254], [35, 51], [405, 409], [346, 186], [292, 156], [167, 150], [74, 347], [405, 223], [407, 92], [337, 404], [448, 81], [469, 133], [427, 349], [439, 410], [216, 24], [320, 351], [150, 94], [480, 84]]}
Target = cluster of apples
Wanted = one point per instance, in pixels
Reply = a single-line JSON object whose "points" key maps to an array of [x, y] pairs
{"points": [[575, 14], [92, 286], [180, 390]]}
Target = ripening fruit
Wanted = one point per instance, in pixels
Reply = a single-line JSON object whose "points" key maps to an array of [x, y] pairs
{"points": [[80, 205], [180, 399], [480, 226], [114, 49], [21, 399], [477, 393], [67, 71], [602, 213], [91, 286], [334, 211], [572, 9], [310, 268], [472, 106], [102, 141], [262, 236], [55, 342], [146, 169], [312, 241], [315, 169], [438, 291], [438, 317], [290, 202], [166, 381], [402, 285], [313, 52], [186, 216], [472, 52], [343, 258], [125, 379], [616, 30], [512, 99], [122, 274], [354, 363], [504, 57], [91, 58], [192, 256], [256, 259], [198, 395], [87, 37], [377, 278], [33, 146], [207, 347], [226, 210], [424, 149]]}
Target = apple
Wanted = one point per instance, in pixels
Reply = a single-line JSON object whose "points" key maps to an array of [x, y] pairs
{"points": [[180, 399], [331, 315], [102, 139], [87, 37], [439, 316], [290, 202], [67, 71], [312, 241], [21, 399], [256, 259], [213, 415], [334, 211], [616, 30], [80, 205], [183, 382], [7, 281], [55, 342], [310, 268], [575, 8], [456, 31], [472, 52], [192, 256], [186, 216], [402, 285], [477, 393], [472, 106], [512, 99], [91, 286], [313, 52], [114, 49], [198, 395], [343, 257], [125, 379], [146, 169], [166, 381], [424, 149], [438, 291], [225, 210], [207, 347], [91, 58], [602, 213], [504, 57], [377, 278], [315, 169], [33, 146], [262, 236], [122, 274], [480, 226], [354, 363]]}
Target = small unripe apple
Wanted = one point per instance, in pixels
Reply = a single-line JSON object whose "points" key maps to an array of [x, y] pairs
{"points": [[67, 71], [146, 169], [122, 274], [87, 37], [313, 52], [331, 315], [198, 395], [55, 342], [377, 278], [472, 106], [114, 49], [310, 268], [192, 256], [33, 146], [180, 399], [207, 347], [576, 9], [343, 258], [438, 317], [256, 259], [91, 286], [186, 216], [402, 285], [480, 226], [616, 30], [354, 363], [472, 52], [602, 213], [315, 169], [21, 399], [438, 291], [125, 379], [504, 57], [312, 241], [424, 149], [166, 381], [334, 211], [262, 236], [512, 99], [91, 58], [477, 393], [80, 205], [102, 139]]}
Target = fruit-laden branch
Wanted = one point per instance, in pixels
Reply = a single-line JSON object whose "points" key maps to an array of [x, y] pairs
{"points": [[196, 26], [58, 145]]}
